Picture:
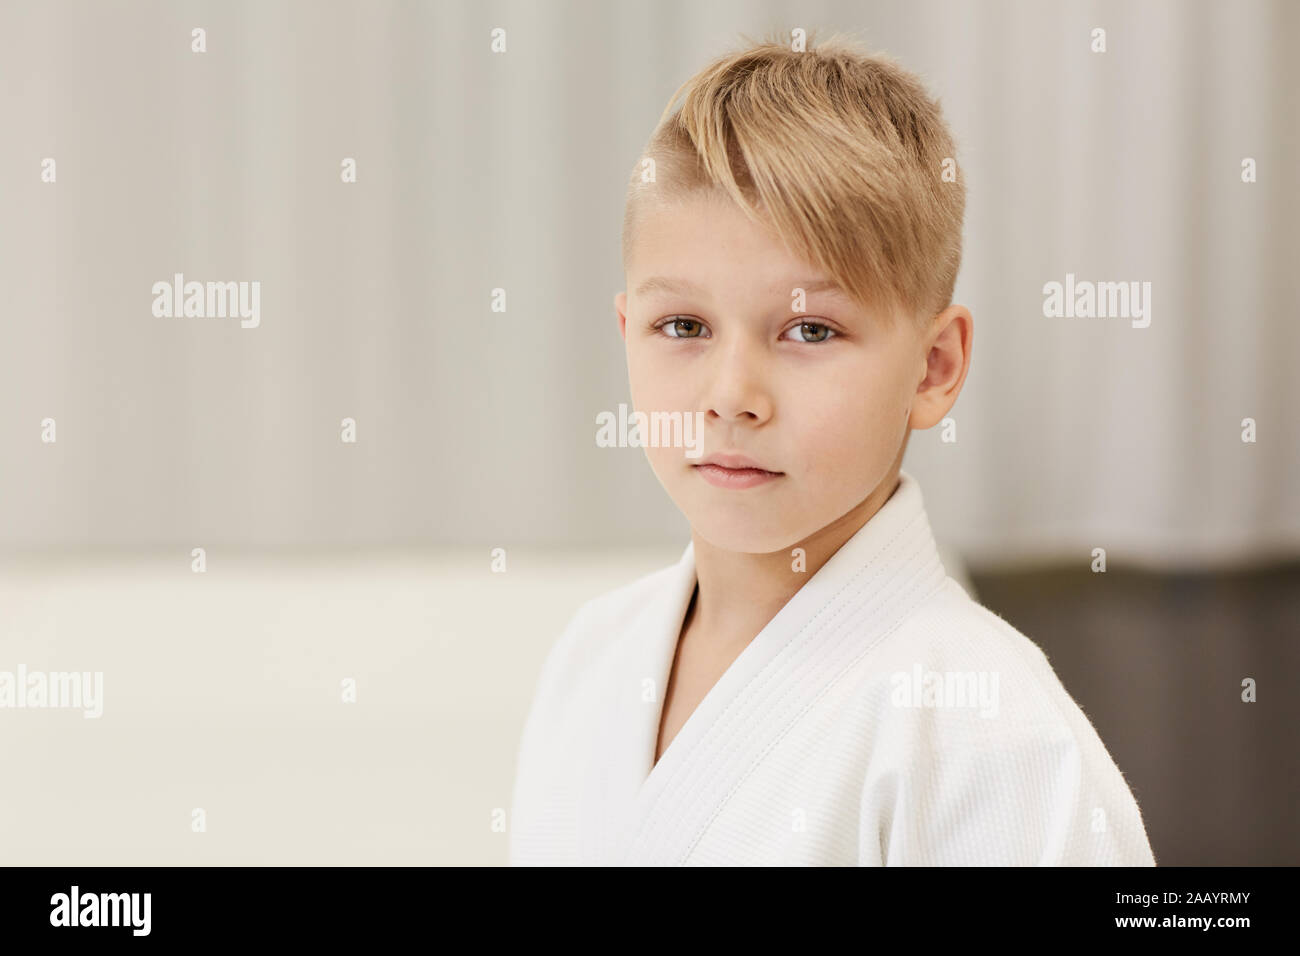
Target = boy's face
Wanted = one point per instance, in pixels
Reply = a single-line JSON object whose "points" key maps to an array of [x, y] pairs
{"points": [[827, 410]]}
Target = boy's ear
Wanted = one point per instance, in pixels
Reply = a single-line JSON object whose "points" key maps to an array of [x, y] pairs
{"points": [[950, 337], [620, 306]]}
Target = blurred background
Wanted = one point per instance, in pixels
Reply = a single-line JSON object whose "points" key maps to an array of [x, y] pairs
{"points": [[371, 560]]}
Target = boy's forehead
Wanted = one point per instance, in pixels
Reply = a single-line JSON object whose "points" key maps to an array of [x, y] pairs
{"points": [[700, 224], [700, 245]]}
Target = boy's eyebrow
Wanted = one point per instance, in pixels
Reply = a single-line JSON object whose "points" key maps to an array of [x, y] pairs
{"points": [[669, 286], [663, 284]]}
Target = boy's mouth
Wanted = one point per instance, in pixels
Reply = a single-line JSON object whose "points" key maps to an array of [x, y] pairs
{"points": [[735, 471]]}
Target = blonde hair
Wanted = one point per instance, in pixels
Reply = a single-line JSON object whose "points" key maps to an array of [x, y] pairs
{"points": [[838, 151]]}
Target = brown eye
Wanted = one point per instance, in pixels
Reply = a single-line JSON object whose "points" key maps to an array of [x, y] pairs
{"points": [[813, 332], [682, 328]]}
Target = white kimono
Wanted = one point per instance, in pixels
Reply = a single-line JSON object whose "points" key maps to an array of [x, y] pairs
{"points": [[882, 717]]}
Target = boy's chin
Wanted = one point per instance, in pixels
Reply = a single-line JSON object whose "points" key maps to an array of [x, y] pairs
{"points": [[745, 538]]}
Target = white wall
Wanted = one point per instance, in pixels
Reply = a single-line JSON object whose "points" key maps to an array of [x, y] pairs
{"points": [[479, 171]]}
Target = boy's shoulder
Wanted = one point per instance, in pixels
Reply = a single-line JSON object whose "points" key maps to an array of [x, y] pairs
{"points": [[951, 636], [622, 604], [970, 710], [617, 609], [602, 624], [955, 651]]}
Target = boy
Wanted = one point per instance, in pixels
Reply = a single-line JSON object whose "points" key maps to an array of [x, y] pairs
{"points": [[806, 685]]}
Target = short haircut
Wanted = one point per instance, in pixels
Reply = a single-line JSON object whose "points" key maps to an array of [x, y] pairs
{"points": [[840, 152]]}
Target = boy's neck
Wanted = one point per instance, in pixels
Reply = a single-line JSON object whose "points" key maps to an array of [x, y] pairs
{"points": [[737, 594]]}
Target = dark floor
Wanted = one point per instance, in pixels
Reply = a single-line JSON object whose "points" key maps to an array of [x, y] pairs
{"points": [[1157, 662]]}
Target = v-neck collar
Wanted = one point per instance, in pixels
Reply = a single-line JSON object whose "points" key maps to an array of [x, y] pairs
{"points": [[655, 812]]}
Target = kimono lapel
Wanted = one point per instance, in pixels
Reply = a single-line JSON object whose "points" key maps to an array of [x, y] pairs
{"points": [[862, 593], [635, 678]]}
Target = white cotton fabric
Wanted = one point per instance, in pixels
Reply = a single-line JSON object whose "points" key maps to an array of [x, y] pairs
{"points": [[814, 748]]}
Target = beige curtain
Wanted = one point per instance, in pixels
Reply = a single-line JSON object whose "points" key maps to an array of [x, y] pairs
{"points": [[479, 171]]}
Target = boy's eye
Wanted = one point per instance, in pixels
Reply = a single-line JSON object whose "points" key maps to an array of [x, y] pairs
{"points": [[683, 328], [812, 332]]}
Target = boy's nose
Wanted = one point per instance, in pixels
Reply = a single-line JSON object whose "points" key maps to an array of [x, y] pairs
{"points": [[737, 387]]}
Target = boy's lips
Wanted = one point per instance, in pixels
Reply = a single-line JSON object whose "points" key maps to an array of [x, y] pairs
{"points": [[734, 471], [736, 462]]}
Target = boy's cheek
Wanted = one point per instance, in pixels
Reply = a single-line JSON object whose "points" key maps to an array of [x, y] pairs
{"points": [[669, 465]]}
